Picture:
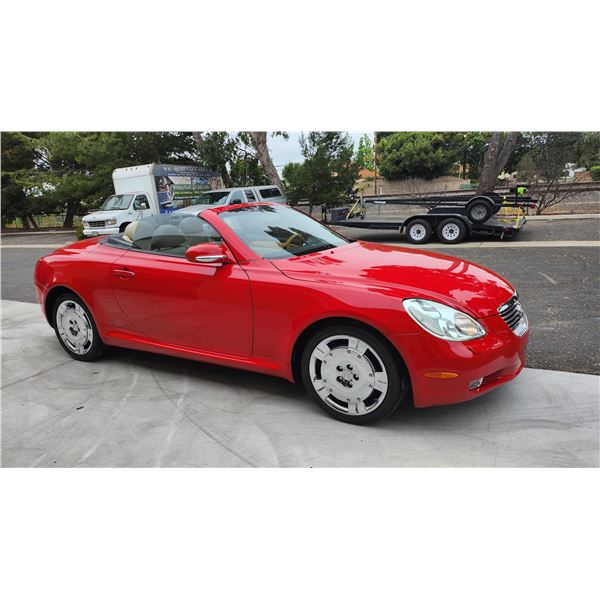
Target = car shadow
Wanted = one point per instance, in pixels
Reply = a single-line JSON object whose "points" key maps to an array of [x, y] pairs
{"points": [[279, 390], [202, 372]]}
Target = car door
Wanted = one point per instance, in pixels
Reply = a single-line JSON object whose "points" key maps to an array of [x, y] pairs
{"points": [[140, 204], [170, 300]]}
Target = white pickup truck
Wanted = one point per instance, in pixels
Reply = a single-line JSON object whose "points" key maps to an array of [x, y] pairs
{"points": [[146, 190], [237, 195]]}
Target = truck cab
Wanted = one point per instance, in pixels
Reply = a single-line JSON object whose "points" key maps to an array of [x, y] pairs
{"points": [[116, 212]]}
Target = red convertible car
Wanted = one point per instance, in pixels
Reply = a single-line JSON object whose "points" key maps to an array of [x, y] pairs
{"points": [[266, 288]]}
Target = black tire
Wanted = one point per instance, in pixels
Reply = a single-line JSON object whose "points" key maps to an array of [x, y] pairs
{"points": [[452, 231], [479, 211], [379, 357], [123, 227], [82, 320], [419, 227]]}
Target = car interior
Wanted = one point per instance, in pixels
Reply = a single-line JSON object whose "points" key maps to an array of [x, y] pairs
{"points": [[166, 234]]}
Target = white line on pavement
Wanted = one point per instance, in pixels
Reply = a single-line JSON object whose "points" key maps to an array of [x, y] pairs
{"points": [[49, 246]]}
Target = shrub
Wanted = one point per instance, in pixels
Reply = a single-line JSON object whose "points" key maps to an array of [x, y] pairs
{"points": [[79, 230], [595, 172]]}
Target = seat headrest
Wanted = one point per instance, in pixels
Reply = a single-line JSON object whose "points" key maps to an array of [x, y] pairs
{"points": [[130, 231], [167, 236], [191, 225], [143, 230]]}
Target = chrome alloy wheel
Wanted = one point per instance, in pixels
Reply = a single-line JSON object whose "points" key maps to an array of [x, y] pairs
{"points": [[348, 375], [451, 231], [418, 232], [74, 327]]}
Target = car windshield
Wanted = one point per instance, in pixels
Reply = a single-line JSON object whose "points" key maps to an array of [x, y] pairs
{"points": [[280, 232], [213, 198], [117, 202]]}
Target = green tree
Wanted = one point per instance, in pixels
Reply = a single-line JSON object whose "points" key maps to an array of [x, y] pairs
{"points": [[587, 149], [75, 168], [327, 172], [404, 155], [296, 181], [364, 154], [70, 172], [18, 158]]}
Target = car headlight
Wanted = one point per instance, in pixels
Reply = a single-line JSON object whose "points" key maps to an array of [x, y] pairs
{"points": [[112, 221], [443, 321]]}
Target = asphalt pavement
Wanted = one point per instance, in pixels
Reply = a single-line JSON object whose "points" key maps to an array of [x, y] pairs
{"points": [[133, 409]]}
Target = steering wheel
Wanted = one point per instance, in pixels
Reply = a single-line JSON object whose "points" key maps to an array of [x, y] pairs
{"points": [[290, 240]]}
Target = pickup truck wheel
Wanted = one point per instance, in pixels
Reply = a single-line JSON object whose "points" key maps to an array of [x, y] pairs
{"points": [[479, 211], [353, 375], [452, 231], [419, 231], [75, 328], [123, 227]]}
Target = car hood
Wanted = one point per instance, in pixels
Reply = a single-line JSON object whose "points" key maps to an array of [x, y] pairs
{"points": [[405, 272], [103, 215]]}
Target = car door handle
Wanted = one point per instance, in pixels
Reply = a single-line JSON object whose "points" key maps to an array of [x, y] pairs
{"points": [[124, 273]]}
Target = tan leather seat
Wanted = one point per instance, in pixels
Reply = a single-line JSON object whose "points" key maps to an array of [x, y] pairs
{"points": [[129, 234]]}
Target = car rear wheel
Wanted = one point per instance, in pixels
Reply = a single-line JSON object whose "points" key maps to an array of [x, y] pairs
{"points": [[419, 231], [452, 231], [353, 375], [75, 328]]}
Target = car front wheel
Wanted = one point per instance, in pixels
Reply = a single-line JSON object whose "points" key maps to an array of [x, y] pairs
{"points": [[353, 375], [75, 328]]}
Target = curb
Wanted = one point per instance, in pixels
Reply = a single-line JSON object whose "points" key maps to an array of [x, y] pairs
{"points": [[53, 232], [561, 217]]}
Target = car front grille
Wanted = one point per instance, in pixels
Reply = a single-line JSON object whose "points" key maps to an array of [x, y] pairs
{"points": [[97, 223], [513, 315]]}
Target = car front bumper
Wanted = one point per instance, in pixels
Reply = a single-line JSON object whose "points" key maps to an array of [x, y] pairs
{"points": [[441, 372], [95, 231]]}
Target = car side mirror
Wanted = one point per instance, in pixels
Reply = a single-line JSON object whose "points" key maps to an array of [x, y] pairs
{"points": [[208, 253], [236, 202]]}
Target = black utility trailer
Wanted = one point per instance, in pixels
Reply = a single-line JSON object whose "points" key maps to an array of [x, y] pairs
{"points": [[453, 218]]}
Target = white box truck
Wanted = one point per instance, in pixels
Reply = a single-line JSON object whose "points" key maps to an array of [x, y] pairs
{"points": [[148, 190]]}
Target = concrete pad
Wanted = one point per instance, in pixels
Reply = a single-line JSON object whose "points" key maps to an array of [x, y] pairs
{"points": [[137, 409]]}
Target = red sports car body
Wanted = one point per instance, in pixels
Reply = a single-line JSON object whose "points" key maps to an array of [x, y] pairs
{"points": [[256, 283]]}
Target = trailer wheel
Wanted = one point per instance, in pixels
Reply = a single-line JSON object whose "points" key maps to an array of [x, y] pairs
{"points": [[419, 231], [452, 231], [479, 211]]}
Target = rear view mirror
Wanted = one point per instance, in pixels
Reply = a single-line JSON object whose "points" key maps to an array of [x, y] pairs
{"points": [[208, 253]]}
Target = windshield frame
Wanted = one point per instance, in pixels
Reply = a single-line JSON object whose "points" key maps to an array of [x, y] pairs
{"points": [[118, 207], [222, 217]]}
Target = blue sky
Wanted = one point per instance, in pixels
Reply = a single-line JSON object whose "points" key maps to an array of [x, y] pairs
{"points": [[283, 152]]}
